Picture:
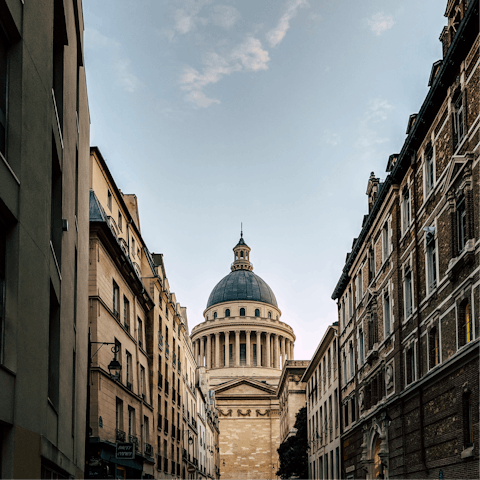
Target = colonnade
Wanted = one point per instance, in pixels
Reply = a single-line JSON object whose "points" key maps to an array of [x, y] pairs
{"points": [[250, 348]]}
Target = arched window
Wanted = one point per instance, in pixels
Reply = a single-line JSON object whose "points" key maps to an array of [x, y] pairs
{"points": [[242, 312], [227, 312], [377, 462], [241, 254], [269, 314], [257, 312], [214, 315]]}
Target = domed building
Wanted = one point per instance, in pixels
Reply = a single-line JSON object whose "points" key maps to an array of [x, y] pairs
{"points": [[243, 345]]}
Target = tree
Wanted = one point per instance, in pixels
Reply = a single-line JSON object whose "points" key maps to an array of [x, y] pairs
{"points": [[292, 452]]}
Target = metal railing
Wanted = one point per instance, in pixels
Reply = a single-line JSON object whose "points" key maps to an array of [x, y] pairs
{"points": [[148, 450], [119, 435], [133, 439]]}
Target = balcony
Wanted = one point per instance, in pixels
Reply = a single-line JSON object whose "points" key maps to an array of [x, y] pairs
{"points": [[148, 450], [133, 439], [159, 421], [194, 423], [159, 462], [160, 380], [119, 435], [165, 426]]}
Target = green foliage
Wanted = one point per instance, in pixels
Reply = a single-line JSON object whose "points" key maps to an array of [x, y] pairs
{"points": [[293, 451]]}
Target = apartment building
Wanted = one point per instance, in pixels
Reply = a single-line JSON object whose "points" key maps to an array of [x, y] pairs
{"points": [[136, 413], [44, 150], [408, 294], [323, 415], [291, 395]]}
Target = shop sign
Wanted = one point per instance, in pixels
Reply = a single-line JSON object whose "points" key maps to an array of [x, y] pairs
{"points": [[125, 451]]}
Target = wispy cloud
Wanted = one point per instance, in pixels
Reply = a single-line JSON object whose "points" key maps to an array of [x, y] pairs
{"points": [[122, 67], [225, 16], [331, 138], [187, 17], [380, 22], [277, 34], [249, 56]]}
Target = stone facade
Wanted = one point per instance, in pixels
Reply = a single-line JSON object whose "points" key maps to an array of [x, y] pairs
{"points": [[244, 345], [323, 416], [408, 295], [44, 150]]}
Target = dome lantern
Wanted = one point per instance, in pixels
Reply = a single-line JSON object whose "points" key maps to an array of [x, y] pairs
{"points": [[241, 256]]}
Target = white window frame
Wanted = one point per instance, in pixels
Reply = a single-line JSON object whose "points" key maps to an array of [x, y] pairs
{"points": [[429, 171], [431, 260], [385, 241], [407, 269], [406, 208]]}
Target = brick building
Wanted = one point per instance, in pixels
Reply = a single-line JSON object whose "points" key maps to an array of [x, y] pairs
{"points": [[408, 294]]}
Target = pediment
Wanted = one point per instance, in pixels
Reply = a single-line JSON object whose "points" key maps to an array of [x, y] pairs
{"points": [[457, 165], [245, 386]]}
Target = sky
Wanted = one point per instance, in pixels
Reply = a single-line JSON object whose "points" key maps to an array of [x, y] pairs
{"points": [[269, 113]]}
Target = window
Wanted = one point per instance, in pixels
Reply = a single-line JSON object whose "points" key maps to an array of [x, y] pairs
{"points": [[352, 408], [465, 333], [129, 370], [3, 242], [371, 265], [54, 349], [406, 209], [431, 261], [343, 314], [242, 312], [410, 364], [140, 332], [142, 380], [352, 364], [385, 249], [359, 285], [344, 368], [243, 354], [116, 298], [254, 348], [345, 413], [131, 421], [257, 312], [350, 302], [119, 414], [133, 251], [386, 314], [269, 314], [227, 313], [361, 346], [408, 293], [467, 419], [56, 210], [109, 200], [3, 93], [429, 168], [118, 356], [126, 313], [372, 331], [230, 354], [120, 221], [461, 225], [458, 118], [433, 347]]}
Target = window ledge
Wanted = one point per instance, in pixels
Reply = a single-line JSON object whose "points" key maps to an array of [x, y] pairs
{"points": [[467, 452], [466, 257]]}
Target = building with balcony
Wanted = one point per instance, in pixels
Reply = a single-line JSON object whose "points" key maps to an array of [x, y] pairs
{"points": [[243, 345], [323, 415], [44, 151], [408, 294]]}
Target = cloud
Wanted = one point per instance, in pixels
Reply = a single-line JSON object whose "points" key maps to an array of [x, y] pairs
{"points": [[187, 17], [248, 56], [225, 16], [331, 138], [276, 35], [380, 22], [122, 67]]}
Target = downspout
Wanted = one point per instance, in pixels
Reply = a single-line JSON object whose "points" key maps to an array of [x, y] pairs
{"points": [[419, 315]]}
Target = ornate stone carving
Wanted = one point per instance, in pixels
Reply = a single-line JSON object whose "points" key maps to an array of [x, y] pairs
{"points": [[223, 414], [260, 414], [361, 400], [241, 414], [389, 376]]}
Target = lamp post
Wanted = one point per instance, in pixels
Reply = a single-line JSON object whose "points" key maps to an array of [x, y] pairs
{"points": [[114, 369]]}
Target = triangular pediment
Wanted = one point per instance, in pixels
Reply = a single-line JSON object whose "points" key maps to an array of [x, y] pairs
{"points": [[244, 386], [457, 164]]}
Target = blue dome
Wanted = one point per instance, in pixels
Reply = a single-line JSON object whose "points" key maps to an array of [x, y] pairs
{"points": [[241, 285]]}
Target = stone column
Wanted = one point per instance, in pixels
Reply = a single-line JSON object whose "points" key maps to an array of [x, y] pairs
{"points": [[237, 348], [209, 351], [259, 349], [268, 362], [293, 355], [196, 351], [276, 352], [227, 349], [247, 341], [283, 351], [202, 352], [217, 350]]}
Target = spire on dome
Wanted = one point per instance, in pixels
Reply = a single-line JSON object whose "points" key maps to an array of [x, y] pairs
{"points": [[241, 255]]}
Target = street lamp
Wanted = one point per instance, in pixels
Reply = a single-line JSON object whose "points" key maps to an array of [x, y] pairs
{"points": [[114, 368]]}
